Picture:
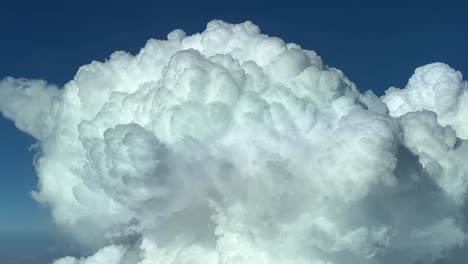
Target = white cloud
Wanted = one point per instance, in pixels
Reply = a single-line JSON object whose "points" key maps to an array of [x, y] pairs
{"points": [[108, 255], [230, 146], [435, 87]]}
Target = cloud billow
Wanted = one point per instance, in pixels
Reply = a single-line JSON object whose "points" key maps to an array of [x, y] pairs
{"points": [[230, 146]]}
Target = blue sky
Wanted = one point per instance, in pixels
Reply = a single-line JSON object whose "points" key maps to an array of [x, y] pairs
{"points": [[375, 47]]}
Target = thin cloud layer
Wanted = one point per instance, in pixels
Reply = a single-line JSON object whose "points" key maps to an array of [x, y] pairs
{"points": [[231, 147]]}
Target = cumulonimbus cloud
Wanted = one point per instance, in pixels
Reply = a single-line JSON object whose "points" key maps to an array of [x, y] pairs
{"points": [[231, 147]]}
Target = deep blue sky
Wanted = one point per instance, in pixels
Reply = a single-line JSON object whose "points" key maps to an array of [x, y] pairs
{"points": [[375, 47]]}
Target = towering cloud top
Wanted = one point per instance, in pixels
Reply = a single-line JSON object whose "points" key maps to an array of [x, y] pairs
{"points": [[233, 147]]}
